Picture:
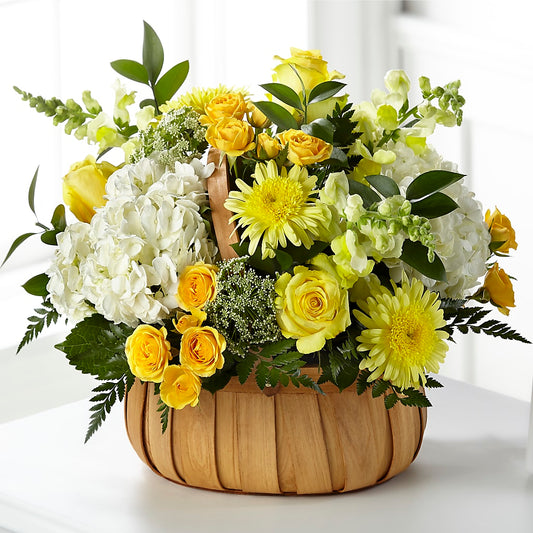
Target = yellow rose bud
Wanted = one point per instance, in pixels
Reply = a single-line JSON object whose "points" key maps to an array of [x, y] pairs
{"points": [[148, 352], [257, 118], [267, 147], [84, 187], [201, 350], [196, 286], [180, 387], [500, 231], [184, 322], [500, 288], [232, 136], [229, 105], [305, 149], [311, 307]]}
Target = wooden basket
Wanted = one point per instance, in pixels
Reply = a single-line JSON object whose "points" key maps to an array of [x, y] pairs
{"points": [[295, 441]]}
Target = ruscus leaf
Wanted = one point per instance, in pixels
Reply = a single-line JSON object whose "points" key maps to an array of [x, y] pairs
{"points": [[153, 55], [36, 286], [383, 184], [171, 81], [130, 69], [325, 90], [31, 192], [283, 93], [433, 206], [431, 182], [278, 115], [368, 196], [415, 255], [16, 243]]}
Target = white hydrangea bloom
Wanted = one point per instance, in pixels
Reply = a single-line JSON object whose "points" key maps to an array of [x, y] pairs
{"points": [[461, 238], [135, 246]]}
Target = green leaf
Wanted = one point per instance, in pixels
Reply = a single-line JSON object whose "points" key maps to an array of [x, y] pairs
{"points": [[286, 358], [391, 400], [16, 243], [37, 285], [431, 182], [261, 375], [278, 115], [383, 184], [50, 237], [171, 81], [284, 259], [415, 398], [153, 55], [244, 367], [362, 381], [130, 69], [432, 383], [96, 346], [325, 90], [283, 93], [433, 206], [47, 316], [415, 255], [216, 382], [308, 382], [379, 388], [321, 128], [164, 411], [368, 196], [277, 348], [146, 102], [31, 192], [59, 221]]}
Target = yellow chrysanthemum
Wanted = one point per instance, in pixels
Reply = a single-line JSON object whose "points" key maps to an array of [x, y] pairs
{"points": [[402, 334], [276, 208], [199, 97]]}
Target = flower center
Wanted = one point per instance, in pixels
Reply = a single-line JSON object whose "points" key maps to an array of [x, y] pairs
{"points": [[276, 201], [411, 337]]}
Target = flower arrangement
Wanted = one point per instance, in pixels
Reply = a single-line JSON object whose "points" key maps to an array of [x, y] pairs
{"points": [[358, 248]]}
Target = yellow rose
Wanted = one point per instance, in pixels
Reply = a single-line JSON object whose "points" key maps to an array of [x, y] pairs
{"points": [[257, 118], [201, 350], [501, 230], [197, 285], [305, 149], [313, 70], [84, 187], [229, 105], [232, 136], [311, 307], [183, 322], [267, 147], [180, 387], [500, 288], [148, 352]]}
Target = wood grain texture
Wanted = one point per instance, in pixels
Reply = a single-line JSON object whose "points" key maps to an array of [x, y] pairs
{"points": [[218, 190], [293, 442]]}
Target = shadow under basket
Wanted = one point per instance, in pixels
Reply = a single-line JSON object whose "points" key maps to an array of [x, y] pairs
{"points": [[294, 441]]}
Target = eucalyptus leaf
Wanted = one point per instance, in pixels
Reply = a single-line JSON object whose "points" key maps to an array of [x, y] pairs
{"points": [[31, 192], [131, 69], [153, 55], [433, 206], [431, 182], [36, 286], [383, 184], [16, 243], [171, 81], [321, 128], [415, 255], [283, 93], [366, 193], [325, 90], [278, 115]]}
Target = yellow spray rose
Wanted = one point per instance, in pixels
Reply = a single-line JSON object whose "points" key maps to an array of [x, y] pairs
{"points": [[232, 136], [313, 70], [196, 286], [180, 387], [84, 187], [500, 288], [229, 105], [501, 230], [267, 147], [256, 117], [305, 149], [183, 322], [148, 352], [311, 307], [201, 350]]}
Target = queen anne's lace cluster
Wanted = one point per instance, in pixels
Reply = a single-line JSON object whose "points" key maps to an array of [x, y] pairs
{"points": [[461, 238], [125, 263]]}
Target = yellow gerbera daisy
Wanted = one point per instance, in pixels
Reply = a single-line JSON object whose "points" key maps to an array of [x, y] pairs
{"points": [[199, 97], [276, 208], [402, 336]]}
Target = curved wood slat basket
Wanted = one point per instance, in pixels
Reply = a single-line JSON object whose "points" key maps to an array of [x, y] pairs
{"points": [[293, 442]]}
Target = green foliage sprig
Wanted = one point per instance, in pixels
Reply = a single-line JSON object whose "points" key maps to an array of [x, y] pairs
{"points": [[163, 88], [44, 316]]}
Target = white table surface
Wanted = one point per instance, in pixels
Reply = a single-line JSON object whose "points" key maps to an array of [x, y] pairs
{"points": [[470, 476]]}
